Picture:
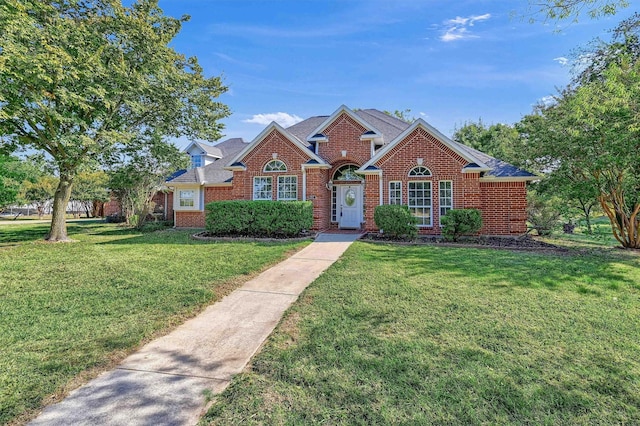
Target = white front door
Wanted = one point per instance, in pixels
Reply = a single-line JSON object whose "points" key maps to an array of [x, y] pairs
{"points": [[350, 206]]}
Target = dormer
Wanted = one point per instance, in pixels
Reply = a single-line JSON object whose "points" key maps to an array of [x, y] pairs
{"points": [[202, 154]]}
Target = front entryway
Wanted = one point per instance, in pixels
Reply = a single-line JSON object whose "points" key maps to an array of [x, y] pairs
{"points": [[349, 206]]}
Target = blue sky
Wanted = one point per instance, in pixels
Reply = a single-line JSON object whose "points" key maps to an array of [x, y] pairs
{"points": [[447, 61]]}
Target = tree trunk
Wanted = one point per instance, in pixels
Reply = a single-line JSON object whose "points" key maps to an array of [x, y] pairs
{"points": [[58, 231]]}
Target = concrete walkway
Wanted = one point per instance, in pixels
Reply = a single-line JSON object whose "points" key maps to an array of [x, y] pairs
{"points": [[166, 381]]}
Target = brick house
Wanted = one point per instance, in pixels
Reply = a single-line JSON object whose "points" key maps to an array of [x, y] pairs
{"points": [[350, 162]]}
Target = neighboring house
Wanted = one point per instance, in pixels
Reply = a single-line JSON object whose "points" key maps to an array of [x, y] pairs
{"points": [[350, 162]]}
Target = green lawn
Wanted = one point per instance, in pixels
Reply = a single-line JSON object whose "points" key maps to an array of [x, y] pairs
{"points": [[432, 335], [66, 309]]}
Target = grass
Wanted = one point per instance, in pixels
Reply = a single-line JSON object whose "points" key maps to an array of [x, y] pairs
{"points": [[432, 335], [70, 310]]}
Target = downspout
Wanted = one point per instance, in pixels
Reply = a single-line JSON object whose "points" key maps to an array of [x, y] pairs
{"points": [[166, 200], [304, 183], [380, 184]]}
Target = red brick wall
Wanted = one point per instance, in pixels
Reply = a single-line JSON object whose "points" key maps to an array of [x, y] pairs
{"points": [[189, 219], [344, 134], [255, 161], [112, 207], [503, 208], [217, 193], [371, 200], [320, 196], [443, 163]]}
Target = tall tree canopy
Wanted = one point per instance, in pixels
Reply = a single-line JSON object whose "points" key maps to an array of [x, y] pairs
{"points": [[572, 9], [592, 133], [77, 76]]}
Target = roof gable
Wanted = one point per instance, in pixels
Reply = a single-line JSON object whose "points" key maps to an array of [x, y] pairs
{"points": [[344, 110], [290, 137], [208, 150], [420, 123]]}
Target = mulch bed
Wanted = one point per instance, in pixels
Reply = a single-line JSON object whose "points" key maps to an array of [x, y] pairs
{"points": [[526, 242]]}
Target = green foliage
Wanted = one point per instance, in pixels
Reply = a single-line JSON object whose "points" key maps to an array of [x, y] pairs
{"points": [[259, 218], [395, 221], [458, 222], [589, 137], [39, 192], [140, 172], [76, 78], [89, 189], [543, 212], [572, 9], [12, 173], [498, 140], [404, 115]]}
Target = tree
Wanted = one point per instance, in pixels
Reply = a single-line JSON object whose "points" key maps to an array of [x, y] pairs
{"points": [[140, 174], [12, 173], [592, 133], [572, 9], [39, 192], [90, 190], [78, 77], [498, 140], [402, 115]]}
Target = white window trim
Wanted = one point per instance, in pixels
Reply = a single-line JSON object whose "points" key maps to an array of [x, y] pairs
{"points": [[430, 206], [420, 175], [278, 188], [201, 160], [270, 179], [399, 189], [177, 199], [450, 206], [275, 171]]}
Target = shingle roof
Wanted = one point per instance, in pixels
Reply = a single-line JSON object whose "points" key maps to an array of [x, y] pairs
{"points": [[303, 129], [214, 172], [499, 168], [391, 127]]}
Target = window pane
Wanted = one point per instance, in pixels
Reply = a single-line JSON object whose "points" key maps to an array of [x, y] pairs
{"points": [[287, 187], [262, 188], [419, 199], [275, 166], [395, 192]]}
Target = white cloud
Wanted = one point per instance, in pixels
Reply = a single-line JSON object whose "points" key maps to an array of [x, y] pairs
{"points": [[458, 28], [282, 118], [423, 114], [546, 100], [561, 60]]}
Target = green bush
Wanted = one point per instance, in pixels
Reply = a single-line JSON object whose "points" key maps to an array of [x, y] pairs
{"points": [[543, 212], [395, 221], [259, 218], [458, 222]]}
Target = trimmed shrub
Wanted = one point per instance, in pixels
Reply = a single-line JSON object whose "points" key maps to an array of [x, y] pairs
{"points": [[458, 222], [395, 221], [259, 218]]}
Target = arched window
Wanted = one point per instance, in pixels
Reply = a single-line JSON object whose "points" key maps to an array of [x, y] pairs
{"points": [[420, 171], [275, 166], [347, 172]]}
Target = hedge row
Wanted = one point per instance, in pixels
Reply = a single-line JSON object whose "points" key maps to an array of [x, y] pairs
{"points": [[259, 218]]}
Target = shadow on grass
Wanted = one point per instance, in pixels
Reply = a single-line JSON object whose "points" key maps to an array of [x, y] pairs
{"points": [[585, 274]]}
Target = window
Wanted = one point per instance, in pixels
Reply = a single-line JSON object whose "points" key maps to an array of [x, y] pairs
{"points": [[334, 204], [420, 171], [275, 166], [262, 188], [187, 198], [196, 161], [446, 197], [395, 192], [287, 188], [419, 198]]}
